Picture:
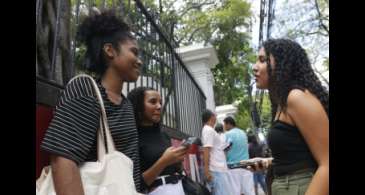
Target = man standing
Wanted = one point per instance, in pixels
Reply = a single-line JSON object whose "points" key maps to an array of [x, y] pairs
{"points": [[215, 165], [241, 179], [255, 149]]}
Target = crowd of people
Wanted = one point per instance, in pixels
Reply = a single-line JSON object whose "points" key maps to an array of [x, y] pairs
{"points": [[298, 138]]}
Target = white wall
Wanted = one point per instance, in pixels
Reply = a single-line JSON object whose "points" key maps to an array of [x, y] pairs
{"points": [[199, 60], [225, 111]]}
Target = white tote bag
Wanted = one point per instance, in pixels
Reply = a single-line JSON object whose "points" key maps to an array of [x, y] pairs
{"points": [[111, 174]]}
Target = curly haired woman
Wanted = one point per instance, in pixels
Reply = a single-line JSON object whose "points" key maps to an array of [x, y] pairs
{"points": [[299, 134]]}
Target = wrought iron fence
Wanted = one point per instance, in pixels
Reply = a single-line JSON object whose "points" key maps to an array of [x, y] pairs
{"points": [[163, 69]]}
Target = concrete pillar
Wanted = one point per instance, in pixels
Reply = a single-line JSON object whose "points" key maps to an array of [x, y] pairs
{"points": [[199, 60]]}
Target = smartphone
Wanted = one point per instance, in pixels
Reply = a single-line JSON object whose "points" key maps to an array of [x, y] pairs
{"points": [[191, 140], [186, 143], [250, 162], [244, 164]]}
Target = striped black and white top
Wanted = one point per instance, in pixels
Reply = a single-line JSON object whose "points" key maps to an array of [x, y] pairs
{"points": [[72, 131]]}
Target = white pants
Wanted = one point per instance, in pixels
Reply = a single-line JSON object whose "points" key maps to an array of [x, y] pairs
{"points": [[169, 189], [242, 181]]}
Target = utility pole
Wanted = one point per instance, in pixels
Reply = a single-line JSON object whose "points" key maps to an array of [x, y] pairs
{"points": [[266, 18]]}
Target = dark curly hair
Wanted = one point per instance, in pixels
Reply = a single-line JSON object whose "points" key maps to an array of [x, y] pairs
{"points": [[136, 96], [292, 71], [95, 31]]}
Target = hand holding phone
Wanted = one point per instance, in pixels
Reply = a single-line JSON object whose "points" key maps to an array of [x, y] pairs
{"points": [[252, 164], [260, 164], [173, 155], [244, 164]]}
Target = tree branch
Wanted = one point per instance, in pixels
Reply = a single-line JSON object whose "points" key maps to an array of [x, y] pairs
{"points": [[320, 17], [191, 35], [195, 6], [317, 71], [315, 32], [322, 77]]}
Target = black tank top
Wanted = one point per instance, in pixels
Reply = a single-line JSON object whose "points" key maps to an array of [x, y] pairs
{"points": [[289, 149]]}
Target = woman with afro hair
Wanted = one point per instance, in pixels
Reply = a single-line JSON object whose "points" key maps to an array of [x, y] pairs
{"points": [[112, 57], [299, 135]]}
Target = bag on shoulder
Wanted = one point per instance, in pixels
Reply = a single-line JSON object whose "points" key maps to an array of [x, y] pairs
{"points": [[193, 188], [111, 174]]}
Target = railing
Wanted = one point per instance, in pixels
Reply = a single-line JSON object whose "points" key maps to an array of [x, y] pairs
{"points": [[163, 69]]}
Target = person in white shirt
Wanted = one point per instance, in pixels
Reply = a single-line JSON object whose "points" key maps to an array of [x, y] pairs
{"points": [[226, 143], [215, 164]]}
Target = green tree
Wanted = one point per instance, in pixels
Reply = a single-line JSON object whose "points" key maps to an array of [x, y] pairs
{"points": [[265, 112], [223, 24]]}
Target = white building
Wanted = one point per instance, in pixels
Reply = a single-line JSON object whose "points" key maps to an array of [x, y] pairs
{"points": [[199, 60], [225, 111]]}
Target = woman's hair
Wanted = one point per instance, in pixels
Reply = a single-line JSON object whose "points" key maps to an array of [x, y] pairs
{"points": [[136, 96], [292, 71], [95, 31], [219, 128]]}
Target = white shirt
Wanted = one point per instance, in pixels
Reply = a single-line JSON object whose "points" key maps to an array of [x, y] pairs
{"points": [[224, 141], [217, 160]]}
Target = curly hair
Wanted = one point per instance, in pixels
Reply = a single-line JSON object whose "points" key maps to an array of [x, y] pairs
{"points": [[136, 96], [95, 31], [292, 71]]}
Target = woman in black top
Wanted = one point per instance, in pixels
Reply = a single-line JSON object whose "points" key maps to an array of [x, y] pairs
{"points": [[111, 55], [158, 158], [298, 137]]}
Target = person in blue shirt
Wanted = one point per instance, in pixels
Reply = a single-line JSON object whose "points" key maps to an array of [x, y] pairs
{"points": [[241, 179]]}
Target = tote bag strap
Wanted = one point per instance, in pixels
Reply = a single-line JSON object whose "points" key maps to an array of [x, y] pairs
{"points": [[102, 147]]}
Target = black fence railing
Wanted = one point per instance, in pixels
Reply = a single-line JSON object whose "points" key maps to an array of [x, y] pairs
{"points": [[163, 69]]}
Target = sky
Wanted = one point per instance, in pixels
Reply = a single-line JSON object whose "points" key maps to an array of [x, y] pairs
{"points": [[255, 7]]}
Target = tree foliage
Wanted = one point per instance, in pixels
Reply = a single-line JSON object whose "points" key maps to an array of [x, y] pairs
{"points": [[225, 25], [306, 21]]}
